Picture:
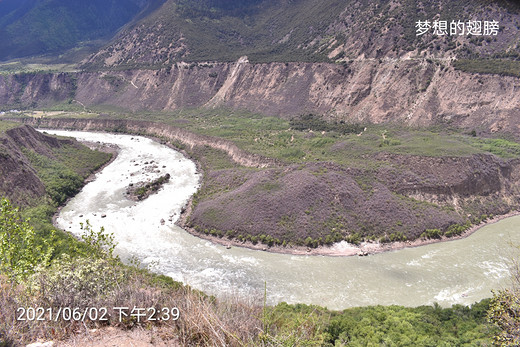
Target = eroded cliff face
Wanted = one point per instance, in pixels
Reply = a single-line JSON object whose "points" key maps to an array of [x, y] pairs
{"points": [[39, 169], [414, 92], [40, 89]]}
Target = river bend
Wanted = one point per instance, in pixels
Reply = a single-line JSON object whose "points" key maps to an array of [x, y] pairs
{"points": [[456, 272]]}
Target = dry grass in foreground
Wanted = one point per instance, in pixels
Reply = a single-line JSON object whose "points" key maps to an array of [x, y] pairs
{"points": [[202, 320]]}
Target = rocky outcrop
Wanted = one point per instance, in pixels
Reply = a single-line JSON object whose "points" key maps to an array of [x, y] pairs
{"points": [[413, 92]]}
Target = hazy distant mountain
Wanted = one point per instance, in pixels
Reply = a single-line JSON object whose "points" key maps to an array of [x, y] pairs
{"points": [[33, 27]]}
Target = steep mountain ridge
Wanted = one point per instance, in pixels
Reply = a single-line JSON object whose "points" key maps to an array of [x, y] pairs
{"points": [[309, 31]]}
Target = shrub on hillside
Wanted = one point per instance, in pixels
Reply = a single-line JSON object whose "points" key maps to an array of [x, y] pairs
{"points": [[20, 250]]}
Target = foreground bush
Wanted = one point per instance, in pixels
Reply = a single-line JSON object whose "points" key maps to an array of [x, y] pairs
{"points": [[201, 320], [20, 250], [505, 314], [504, 311]]}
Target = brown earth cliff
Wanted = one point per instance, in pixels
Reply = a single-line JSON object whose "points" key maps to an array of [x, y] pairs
{"points": [[409, 91], [39, 169], [19, 179]]}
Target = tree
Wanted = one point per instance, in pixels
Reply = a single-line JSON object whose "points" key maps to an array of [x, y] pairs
{"points": [[98, 243], [504, 311], [20, 250]]}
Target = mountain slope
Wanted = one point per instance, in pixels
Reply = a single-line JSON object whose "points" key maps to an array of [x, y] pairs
{"points": [[306, 31], [411, 92], [36, 168], [31, 27]]}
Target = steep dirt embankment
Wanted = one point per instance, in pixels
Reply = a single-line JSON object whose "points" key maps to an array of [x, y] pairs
{"points": [[155, 129], [19, 180], [416, 92], [448, 179]]}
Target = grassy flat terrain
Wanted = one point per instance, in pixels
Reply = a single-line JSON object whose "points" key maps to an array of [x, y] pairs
{"points": [[276, 138], [18, 67], [489, 66]]}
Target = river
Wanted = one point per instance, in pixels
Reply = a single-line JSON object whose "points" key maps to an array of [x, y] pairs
{"points": [[457, 272]]}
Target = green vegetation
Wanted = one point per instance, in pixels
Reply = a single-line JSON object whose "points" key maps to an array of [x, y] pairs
{"points": [[20, 251], [454, 229], [504, 313], [62, 168], [60, 181], [303, 325], [308, 138], [64, 172], [421, 326], [316, 123], [504, 310], [500, 147], [489, 66], [93, 277], [63, 176], [4, 126], [22, 67], [149, 188]]}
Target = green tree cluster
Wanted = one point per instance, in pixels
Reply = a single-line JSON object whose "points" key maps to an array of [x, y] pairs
{"points": [[316, 123], [20, 249], [403, 326]]}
